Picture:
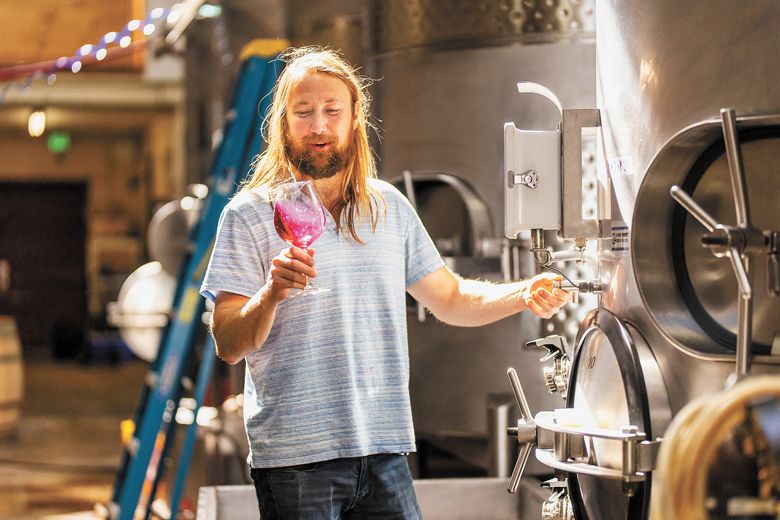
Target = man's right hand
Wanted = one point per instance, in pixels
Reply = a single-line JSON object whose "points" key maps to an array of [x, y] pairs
{"points": [[241, 325], [290, 269]]}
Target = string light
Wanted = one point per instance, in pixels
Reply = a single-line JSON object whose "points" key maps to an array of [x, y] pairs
{"points": [[172, 17], [209, 11], [89, 53], [28, 82]]}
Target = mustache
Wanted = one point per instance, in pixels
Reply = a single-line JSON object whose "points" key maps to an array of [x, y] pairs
{"points": [[319, 139]]}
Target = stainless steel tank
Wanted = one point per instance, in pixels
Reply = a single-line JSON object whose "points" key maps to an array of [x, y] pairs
{"points": [[665, 330], [446, 82], [659, 92], [145, 299]]}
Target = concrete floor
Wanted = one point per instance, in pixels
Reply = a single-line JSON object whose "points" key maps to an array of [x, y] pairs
{"points": [[64, 457], [62, 462]]}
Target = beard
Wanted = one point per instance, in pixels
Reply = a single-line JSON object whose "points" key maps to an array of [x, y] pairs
{"points": [[320, 165]]}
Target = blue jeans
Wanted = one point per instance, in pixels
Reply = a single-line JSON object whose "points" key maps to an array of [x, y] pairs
{"points": [[373, 487]]}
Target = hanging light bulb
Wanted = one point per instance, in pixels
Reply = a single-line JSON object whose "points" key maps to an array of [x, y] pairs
{"points": [[36, 123]]}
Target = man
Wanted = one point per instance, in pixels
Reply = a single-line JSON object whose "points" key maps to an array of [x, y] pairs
{"points": [[326, 401]]}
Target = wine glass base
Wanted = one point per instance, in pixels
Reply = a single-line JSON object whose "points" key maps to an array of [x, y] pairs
{"points": [[314, 290], [310, 290]]}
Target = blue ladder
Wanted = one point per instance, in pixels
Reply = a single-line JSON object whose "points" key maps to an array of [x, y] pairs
{"points": [[170, 376]]}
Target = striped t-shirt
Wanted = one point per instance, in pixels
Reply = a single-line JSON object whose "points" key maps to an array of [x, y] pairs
{"points": [[332, 379]]}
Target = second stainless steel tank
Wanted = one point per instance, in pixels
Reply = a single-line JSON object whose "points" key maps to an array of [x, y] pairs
{"points": [[665, 71], [447, 75]]}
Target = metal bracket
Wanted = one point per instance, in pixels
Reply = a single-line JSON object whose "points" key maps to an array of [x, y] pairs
{"points": [[555, 345], [563, 452], [528, 178], [562, 447], [572, 224], [556, 377]]}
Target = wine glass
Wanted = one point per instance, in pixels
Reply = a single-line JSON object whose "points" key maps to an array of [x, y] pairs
{"points": [[299, 217]]}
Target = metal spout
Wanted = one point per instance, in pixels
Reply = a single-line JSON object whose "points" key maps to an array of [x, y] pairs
{"points": [[541, 254]]}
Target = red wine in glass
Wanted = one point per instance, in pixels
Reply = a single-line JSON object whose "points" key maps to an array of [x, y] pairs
{"points": [[299, 216]]}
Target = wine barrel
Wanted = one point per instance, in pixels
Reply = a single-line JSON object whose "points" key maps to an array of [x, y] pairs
{"points": [[11, 377]]}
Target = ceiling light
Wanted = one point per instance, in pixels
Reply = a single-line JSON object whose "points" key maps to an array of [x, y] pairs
{"points": [[36, 123]]}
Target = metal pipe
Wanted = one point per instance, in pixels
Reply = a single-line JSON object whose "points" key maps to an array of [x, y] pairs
{"points": [[517, 471], [409, 188], [537, 239], [515, 263], [517, 389], [745, 327], [629, 451], [739, 264], [772, 275], [693, 208], [561, 446], [541, 254], [736, 171], [506, 261], [568, 255], [498, 440], [773, 264]]}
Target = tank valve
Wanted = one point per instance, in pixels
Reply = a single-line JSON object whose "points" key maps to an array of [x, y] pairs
{"points": [[556, 377], [558, 506], [581, 286]]}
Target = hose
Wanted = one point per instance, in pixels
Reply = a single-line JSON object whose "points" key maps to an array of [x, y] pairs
{"points": [[690, 444]]}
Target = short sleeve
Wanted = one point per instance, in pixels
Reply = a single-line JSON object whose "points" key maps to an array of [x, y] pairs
{"points": [[422, 257], [235, 265]]}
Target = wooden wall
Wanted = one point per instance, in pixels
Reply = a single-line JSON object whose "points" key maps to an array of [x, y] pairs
{"points": [[127, 174], [126, 133]]}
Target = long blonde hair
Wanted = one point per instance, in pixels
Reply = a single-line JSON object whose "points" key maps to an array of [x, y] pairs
{"points": [[358, 198]]}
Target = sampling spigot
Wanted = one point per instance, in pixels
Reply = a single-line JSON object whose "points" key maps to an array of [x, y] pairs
{"points": [[545, 257], [581, 286]]}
